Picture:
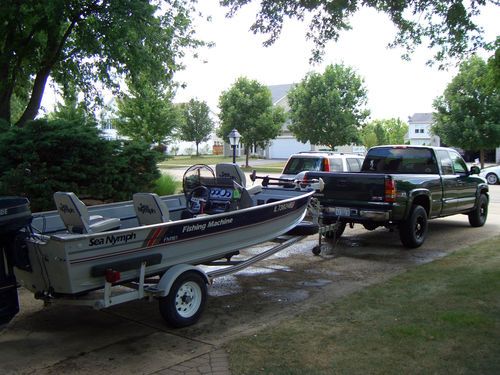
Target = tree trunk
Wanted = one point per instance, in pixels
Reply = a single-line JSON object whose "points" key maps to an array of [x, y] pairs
{"points": [[5, 97], [197, 154], [247, 155], [481, 158], [36, 97], [52, 54]]}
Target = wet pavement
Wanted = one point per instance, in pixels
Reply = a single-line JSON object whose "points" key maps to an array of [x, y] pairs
{"points": [[133, 339]]}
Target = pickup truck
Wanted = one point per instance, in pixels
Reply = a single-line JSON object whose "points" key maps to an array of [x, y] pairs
{"points": [[402, 187]]}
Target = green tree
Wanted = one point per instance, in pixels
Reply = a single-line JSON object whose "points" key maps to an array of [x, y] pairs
{"points": [[386, 131], [447, 26], [147, 114], [369, 138], [87, 41], [248, 107], [73, 110], [468, 113], [374, 134], [327, 109], [396, 130], [197, 125]]}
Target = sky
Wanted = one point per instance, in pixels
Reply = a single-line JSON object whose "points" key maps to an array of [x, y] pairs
{"points": [[396, 88]]}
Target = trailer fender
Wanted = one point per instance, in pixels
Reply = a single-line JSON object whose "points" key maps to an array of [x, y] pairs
{"points": [[173, 273]]}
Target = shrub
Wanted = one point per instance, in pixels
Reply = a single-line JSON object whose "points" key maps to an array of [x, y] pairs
{"points": [[166, 185], [47, 156]]}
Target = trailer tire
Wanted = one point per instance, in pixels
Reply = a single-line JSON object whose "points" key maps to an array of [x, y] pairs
{"points": [[413, 231], [185, 301]]}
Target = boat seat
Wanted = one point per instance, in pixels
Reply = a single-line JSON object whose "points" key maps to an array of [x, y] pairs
{"points": [[245, 200], [76, 218], [150, 209], [233, 171]]}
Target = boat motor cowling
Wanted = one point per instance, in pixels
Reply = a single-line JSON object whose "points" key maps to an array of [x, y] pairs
{"points": [[15, 214]]}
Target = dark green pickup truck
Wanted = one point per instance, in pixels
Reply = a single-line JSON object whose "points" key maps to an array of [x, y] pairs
{"points": [[402, 187]]}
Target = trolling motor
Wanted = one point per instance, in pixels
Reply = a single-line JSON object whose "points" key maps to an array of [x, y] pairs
{"points": [[15, 214], [297, 183]]}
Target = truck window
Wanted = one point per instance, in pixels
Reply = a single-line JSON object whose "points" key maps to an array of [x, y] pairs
{"points": [[459, 165], [445, 162], [400, 160], [353, 164]]}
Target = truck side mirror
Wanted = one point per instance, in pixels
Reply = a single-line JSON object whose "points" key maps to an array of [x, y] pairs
{"points": [[475, 169]]}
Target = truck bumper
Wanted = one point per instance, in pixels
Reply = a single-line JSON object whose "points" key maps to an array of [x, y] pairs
{"points": [[357, 215]]}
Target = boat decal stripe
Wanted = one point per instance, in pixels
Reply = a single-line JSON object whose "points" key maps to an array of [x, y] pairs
{"points": [[153, 237]]}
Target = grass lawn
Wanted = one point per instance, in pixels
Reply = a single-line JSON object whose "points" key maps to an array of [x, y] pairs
{"points": [[187, 161], [438, 318]]}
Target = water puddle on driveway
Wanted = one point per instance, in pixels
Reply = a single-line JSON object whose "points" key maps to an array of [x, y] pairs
{"points": [[224, 286], [314, 283], [285, 295]]}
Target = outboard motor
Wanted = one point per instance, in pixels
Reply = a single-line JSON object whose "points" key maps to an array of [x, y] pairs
{"points": [[15, 214]]}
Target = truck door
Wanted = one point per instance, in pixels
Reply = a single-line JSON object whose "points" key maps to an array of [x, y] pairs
{"points": [[450, 184], [466, 186]]}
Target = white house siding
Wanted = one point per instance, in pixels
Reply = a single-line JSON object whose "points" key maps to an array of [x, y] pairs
{"points": [[419, 130], [283, 147]]}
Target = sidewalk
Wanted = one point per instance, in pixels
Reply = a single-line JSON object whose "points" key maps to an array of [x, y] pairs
{"points": [[213, 363]]}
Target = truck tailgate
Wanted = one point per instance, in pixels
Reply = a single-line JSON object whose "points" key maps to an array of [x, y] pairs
{"points": [[347, 188]]}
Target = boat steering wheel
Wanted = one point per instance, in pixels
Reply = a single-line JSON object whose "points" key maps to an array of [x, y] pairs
{"points": [[198, 200]]}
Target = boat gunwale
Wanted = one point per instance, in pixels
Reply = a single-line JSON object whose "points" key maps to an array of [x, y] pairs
{"points": [[71, 237]]}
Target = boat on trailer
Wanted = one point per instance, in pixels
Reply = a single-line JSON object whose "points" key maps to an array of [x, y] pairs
{"points": [[153, 245]]}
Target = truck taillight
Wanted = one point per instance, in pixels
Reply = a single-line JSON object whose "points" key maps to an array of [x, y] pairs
{"points": [[326, 165], [390, 190]]}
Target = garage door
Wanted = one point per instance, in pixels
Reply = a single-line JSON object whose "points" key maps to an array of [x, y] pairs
{"points": [[282, 148]]}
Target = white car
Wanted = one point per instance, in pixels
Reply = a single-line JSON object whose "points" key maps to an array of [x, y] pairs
{"points": [[325, 161], [491, 174]]}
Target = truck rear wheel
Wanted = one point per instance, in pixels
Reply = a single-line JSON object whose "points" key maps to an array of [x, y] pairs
{"points": [[413, 231], [478, 216]]}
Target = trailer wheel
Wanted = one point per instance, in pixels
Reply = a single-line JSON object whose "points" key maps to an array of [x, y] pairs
{"points": [[186, 300], [413, 231]]}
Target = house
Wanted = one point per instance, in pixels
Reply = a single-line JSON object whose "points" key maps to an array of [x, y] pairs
{"points": [[419, 133], [419, 130], [286, 144]]}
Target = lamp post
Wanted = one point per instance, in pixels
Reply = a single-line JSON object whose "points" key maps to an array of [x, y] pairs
{"points": [[234, 139]]}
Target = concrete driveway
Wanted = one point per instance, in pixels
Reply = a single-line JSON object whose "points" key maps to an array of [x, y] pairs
{"points": [[133, 339]]}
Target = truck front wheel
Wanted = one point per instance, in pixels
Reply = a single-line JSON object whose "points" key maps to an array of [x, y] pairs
{"points": [[478, 216], [413, 231]]}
